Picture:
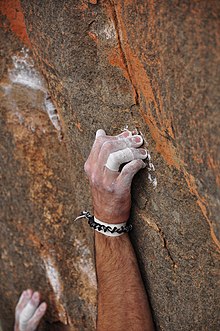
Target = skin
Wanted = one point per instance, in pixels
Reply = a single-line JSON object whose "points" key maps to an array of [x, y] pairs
{"points": [[29, 311], [111, 189], [122, 299]]}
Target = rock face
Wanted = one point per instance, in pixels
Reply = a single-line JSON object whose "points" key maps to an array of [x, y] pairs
{"points": [[150, 65]]}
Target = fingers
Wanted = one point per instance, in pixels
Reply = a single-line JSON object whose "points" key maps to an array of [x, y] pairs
{"points": [[127, 174], [104, 145], [28, 311], [115, 159], [35, 319], [125, 134], [100, 133], [121, 143], [23, 300], [99, 141]]}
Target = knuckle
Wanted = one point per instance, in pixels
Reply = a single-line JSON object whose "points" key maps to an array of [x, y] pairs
{"points": [[109, 188], [95, 180], [101, 140], [87, 167]]}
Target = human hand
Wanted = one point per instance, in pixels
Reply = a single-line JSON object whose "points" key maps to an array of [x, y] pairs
{"points": [[28, 312], [111, 189]]}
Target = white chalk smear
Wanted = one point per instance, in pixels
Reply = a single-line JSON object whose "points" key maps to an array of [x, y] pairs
{"points": [[57, 286], [53, 276], [151, 167], [23, 71], [109, 31], [152, 179], [52, 113]]}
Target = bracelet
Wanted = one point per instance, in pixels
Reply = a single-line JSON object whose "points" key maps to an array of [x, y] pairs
{"points": [[111, 230]]}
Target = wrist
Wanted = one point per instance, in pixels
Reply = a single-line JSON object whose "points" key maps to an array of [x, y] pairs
{"points": [[107, 229], [111, 217], [100, 237], [110, 229]]}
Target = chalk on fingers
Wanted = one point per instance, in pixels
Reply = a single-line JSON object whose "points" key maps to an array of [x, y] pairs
{"points": [[29, 311], [126, 133], [116, 159], [39, 313], [129, 171], [100, 133], [23, 300]]}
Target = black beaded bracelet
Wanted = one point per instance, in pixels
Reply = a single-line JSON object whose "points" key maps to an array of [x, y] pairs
{"points": [[100, 227]]}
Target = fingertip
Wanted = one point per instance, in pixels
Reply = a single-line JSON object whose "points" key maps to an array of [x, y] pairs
{"points": [[23, 294], [29, 293], [22, 298], [125, 134], [36, 296], [100, 133], [138, 139], [43, 307]]}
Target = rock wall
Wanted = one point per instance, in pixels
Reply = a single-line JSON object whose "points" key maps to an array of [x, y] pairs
{"points": [[150, 65]]}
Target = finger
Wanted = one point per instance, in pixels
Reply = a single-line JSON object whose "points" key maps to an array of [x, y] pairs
{"points": [[100, 133], [100, 139], [29, 310], [126, 176], [113, 146], [35, 319], [123, 156], [23, 300], [126, 133]]}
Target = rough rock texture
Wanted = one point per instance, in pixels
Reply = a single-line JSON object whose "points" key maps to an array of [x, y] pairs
{"points": [[40, 247], [153, 65]]}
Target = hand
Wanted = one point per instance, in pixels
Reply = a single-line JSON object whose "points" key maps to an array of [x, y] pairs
{"points": [[111, 189], [28, 312]]}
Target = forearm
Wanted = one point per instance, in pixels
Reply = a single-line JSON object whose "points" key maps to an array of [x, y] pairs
{"points": [[122, 299]]}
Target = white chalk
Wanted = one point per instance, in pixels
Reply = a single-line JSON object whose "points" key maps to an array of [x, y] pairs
{"points": [[123, 156], [24, 73], [52, 113], [26, 314], [151, 167], [152, 180]]}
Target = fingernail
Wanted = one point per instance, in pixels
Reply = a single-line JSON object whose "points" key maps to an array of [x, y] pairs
{"points": [[43, 306], [126, 133], [36, 296], [143, 152], [137, 139]]}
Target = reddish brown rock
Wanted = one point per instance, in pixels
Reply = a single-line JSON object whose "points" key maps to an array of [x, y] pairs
{"points": [[146, 64], [41, 248]]}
